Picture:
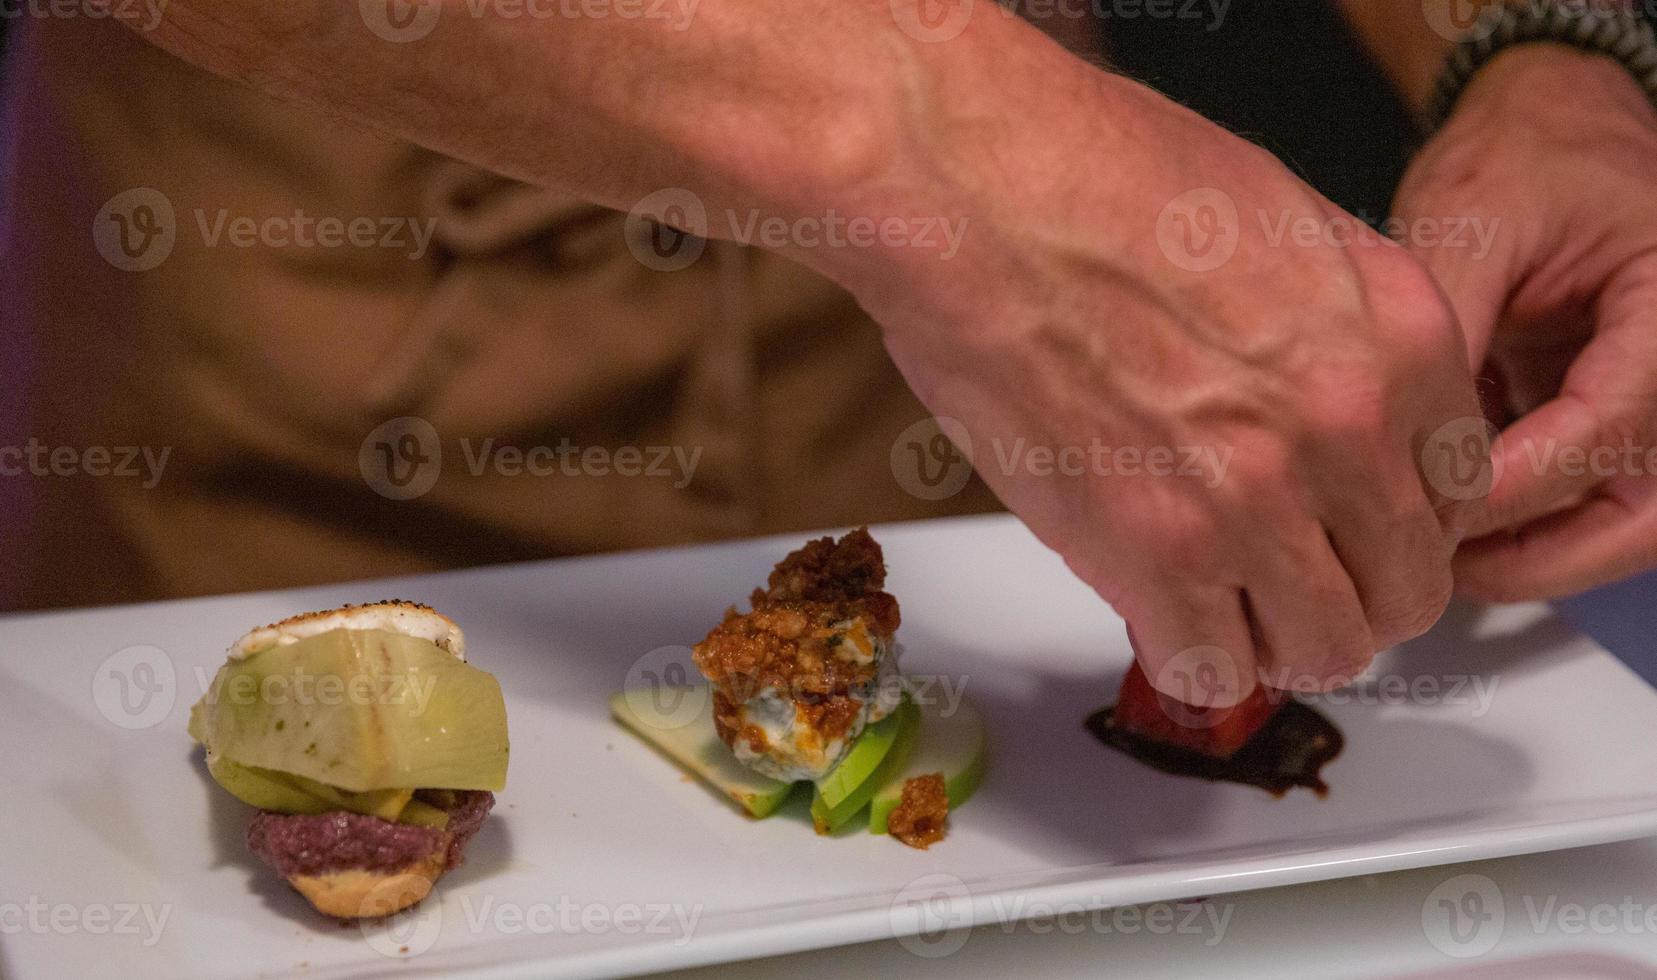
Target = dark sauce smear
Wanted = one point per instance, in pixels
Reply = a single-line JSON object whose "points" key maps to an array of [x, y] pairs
{"points": [[1289, 750]]}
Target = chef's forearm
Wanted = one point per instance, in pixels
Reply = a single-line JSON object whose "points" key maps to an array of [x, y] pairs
{"points": [[779, 108]]}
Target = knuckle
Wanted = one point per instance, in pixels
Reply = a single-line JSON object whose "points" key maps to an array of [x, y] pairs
{"points": [[1424, 334], [1350, 410], [1187, 542], [1411, 613], [1260, 466]]}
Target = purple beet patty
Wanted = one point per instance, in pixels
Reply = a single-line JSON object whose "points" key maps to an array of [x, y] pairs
{"points": [[312, 844]]}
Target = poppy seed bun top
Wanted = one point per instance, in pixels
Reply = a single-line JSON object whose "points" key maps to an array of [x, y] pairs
{"points": [[392, 615]]}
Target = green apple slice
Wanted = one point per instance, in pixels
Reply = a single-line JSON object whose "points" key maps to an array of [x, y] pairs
{"points": [[678, 722], [903, 725], [860, 763], [951, 743]]}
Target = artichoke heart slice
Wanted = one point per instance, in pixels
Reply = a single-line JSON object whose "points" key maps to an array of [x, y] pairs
{"points": [[359, 711]]}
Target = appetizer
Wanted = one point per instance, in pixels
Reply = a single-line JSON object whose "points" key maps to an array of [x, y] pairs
{"points": [[805, 688], [371, 749], [1270, 740]]}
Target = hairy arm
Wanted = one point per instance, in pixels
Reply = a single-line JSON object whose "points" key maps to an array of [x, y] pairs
{"points": [[1112, 281], [784, 109]]}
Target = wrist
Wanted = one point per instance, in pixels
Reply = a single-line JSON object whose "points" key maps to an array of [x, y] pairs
{"points": [[1544, 80], [1000, 134]]}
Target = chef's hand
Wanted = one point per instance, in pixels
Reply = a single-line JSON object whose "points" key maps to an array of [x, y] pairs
{"points": [[1122, 283], [1558, 150], [1093, 289]]}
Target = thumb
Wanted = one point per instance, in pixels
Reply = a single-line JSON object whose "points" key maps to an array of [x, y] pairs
{"points": [[1473, 259]]}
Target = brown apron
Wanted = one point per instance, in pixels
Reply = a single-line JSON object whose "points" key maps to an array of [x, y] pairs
{"points": [[261, 408]]}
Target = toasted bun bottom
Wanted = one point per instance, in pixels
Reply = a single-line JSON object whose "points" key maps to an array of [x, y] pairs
{"points": [[371, 894]]}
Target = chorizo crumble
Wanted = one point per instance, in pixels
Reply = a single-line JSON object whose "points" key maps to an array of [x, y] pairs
{"points": [[810, 635], [920, 817]]}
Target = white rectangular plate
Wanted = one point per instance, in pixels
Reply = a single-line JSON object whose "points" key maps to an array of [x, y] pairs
{"points": [[1500, 733]]}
